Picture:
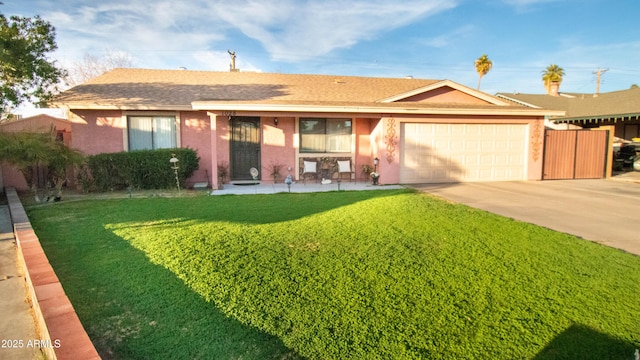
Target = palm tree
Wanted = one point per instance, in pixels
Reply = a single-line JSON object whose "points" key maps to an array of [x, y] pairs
{"points": [[483, 65], [553, 73]]}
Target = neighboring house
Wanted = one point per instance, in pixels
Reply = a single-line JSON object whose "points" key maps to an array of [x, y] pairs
{"points": [[9, 175], [421, 130], [617, 109]]}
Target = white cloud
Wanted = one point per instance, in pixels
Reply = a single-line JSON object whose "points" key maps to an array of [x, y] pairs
{"points": [[523, 5], [447, 39], [169, 34], [159, 33], [220, 60], [294, 31], [152, 33]]}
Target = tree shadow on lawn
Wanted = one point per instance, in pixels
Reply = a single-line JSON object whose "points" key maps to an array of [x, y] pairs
{"points": [[134, 309], [582, 342]]}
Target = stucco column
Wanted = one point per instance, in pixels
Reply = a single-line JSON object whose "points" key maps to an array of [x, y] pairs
{"points": [[536, 149], [385, 145], [214, 149]]}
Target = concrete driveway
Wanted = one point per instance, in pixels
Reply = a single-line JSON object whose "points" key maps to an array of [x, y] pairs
{"points": [[604, 211]]}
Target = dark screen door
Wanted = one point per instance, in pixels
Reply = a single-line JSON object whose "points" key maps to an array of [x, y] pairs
{"points": [[245, 147]]}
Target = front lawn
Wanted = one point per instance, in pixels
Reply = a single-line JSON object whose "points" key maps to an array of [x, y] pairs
{"points": [[348, 275]]}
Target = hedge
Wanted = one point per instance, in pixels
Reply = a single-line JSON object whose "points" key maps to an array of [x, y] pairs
{"points": [[141, 169]]}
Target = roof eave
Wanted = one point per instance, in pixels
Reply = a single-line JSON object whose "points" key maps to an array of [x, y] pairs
{"points": [[597, 118], [133, 107], [209, 106], [291, 108], [518, 101]]}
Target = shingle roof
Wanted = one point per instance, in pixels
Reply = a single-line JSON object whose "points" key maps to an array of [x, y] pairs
{"points": [[175, 90], [610, 105], [182, 87]]}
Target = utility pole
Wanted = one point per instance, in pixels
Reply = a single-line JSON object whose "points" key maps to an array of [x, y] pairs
{"points": [[599, 74]]}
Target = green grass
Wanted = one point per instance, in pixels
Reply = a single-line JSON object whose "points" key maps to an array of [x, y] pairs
{"points": [[349, 275]]}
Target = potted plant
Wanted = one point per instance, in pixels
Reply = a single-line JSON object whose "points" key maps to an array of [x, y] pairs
{"points": [[325, 161], [223, 171], [366, 170], [274, 169], [374, 177]]}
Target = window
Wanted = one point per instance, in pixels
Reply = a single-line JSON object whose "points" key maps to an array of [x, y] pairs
{"points": [[325, 135], [151, 132]]}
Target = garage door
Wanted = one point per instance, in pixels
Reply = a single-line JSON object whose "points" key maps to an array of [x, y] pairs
{"points": [[433, 153]]}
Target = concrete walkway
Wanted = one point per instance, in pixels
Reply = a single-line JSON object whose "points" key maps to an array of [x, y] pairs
{"points": [[17, 324], [310, 186]]}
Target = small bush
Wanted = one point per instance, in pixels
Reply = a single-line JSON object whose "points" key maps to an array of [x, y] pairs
{"points": [[141, 169]]}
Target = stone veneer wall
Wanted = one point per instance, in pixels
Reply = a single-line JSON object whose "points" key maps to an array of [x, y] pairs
{"points": [[327, 168]]}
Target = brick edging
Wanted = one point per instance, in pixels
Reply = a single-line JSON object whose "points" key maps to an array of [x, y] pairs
{"points": [[62, 333]]}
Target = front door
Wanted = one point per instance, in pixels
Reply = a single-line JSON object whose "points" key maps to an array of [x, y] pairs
{"points": [[245, 147]]}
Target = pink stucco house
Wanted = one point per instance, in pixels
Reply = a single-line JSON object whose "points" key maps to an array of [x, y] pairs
{"points": [[421, 130]]}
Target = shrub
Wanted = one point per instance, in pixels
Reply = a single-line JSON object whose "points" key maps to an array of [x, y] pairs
{"points": [[29, 150], [141, 169]]}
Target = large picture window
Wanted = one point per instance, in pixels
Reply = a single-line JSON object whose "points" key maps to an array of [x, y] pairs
{"points": [[325, 135], [151, 132]]}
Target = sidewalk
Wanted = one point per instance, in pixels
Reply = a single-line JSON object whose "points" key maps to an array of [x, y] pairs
{"points": [[17, 325]]}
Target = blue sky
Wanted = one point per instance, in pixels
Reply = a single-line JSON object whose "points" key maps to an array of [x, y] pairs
{"points": [[432, 39]]}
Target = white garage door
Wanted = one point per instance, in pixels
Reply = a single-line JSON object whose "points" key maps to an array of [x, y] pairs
{"points": [[433, 153]]}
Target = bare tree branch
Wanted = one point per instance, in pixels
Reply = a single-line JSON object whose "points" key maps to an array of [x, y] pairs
{"points": [[92, 66]]}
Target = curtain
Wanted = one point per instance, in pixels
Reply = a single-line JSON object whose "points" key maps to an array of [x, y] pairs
{"points": [[140, 133], [312, 135], [152, 132], [338, 135], [164, 132]]}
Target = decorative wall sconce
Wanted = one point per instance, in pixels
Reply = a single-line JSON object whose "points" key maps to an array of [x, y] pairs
{"points": [[275, 121]]}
